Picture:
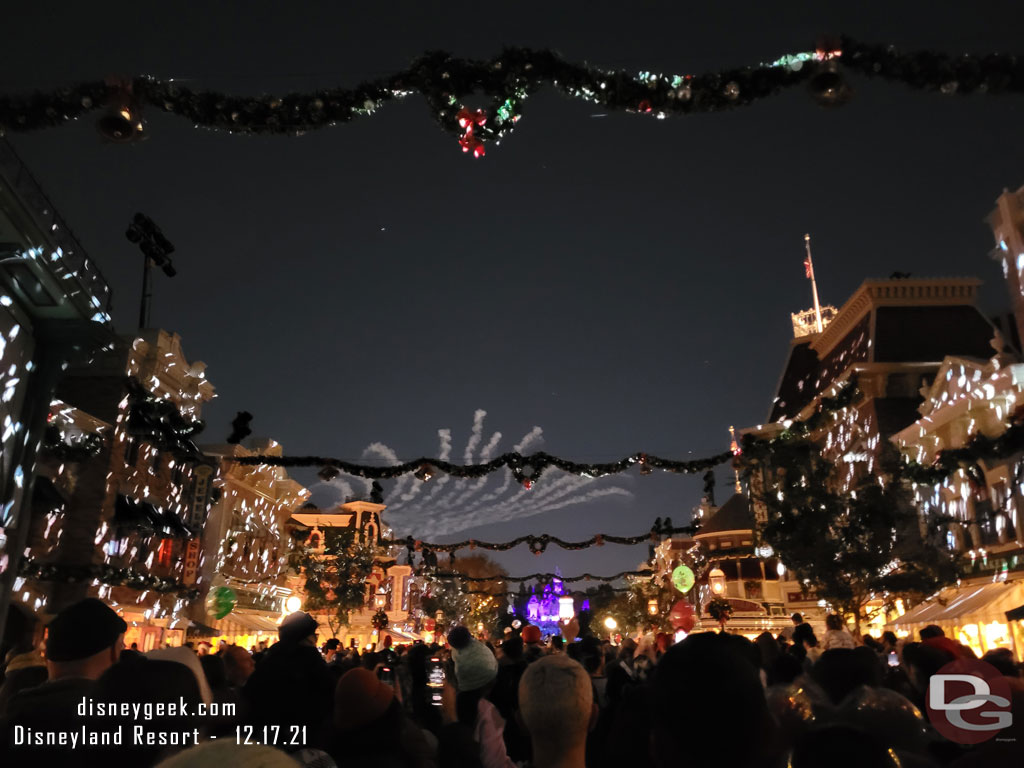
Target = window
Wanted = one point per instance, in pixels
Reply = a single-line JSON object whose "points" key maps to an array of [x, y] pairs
{"points": [[131, 452], [163, 554]]}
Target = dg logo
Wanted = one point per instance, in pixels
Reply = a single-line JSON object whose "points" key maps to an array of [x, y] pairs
{"points": [[969, 701]]}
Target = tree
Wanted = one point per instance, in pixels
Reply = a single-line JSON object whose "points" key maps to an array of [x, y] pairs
{"points": [[335, 577], [469, 602], [851, 542]]}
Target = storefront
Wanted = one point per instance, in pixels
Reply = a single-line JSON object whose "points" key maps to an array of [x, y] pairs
{"points": [[972, 614]]}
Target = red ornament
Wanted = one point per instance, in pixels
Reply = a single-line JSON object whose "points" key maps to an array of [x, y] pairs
{"points": [[644, 106], [471, 143], [527, 483]]}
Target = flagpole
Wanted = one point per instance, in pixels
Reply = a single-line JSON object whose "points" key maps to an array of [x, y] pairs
{"points": [[814, 285]]}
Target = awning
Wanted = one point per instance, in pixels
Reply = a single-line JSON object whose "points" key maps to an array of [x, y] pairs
{"points": [[252, 621], [967, 604]]}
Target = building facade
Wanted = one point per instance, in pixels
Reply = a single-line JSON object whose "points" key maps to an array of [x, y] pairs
{"points": [[245, 545], [138, 502], [390, 587], [54, 309]]}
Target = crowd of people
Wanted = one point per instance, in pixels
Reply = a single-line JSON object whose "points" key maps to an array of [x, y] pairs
{"points": [[572, 701]]}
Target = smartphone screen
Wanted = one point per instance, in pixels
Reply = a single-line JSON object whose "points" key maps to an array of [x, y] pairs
{"points": [[435, 680], [894, 659], [435, 673]]}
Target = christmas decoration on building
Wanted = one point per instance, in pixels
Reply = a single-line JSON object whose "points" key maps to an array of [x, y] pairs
{"points": [[720, 610], [159, 422], [446, 82], [380, 620], [524, 468], [66, 448], [103, 574], [240, 427]]}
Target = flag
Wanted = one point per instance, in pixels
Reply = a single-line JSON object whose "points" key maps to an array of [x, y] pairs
{"points": [[807, 267]]}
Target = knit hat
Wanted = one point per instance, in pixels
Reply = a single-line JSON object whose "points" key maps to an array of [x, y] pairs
{"points": [[360, 698], [83, 630], [531, 634], [475, 665], [297, 626]]}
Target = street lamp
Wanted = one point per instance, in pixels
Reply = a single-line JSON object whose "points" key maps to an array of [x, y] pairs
{"points": [[652, 606], [716, 580], [157, 251], [293, 604], [611, 624]]}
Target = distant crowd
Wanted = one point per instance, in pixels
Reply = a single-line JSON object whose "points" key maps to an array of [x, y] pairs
{"points": [[569, 701]]}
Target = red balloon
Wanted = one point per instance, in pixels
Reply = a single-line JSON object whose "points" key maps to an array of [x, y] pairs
{"points": [[682, 616]]}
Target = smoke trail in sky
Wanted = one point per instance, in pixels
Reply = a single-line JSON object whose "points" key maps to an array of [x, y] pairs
{"points": [[444, 505]]}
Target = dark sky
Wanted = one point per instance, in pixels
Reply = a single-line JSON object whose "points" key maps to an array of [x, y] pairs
{"points": [[624, 283]]}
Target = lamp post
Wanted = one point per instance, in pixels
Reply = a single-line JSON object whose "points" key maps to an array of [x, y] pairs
{"points": [[652, 606]]}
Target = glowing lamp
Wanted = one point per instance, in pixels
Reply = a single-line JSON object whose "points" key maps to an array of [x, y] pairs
{"points": [[652, 607], [611, 624], [716, 580], [379, 600], [566, 607], [293, 604]]}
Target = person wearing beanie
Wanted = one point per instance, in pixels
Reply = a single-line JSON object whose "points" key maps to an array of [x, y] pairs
{"points": [[83, 641], [291, 685], [370, 726], [475, 671], [533, 647]]}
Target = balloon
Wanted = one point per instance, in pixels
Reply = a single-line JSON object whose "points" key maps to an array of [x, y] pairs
{"points": [[682, 578], [221, 601], [798, 706], [890, 716], [682, 616]]}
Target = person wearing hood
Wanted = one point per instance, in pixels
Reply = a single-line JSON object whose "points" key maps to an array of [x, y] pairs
{"points": [[476, 669], [292, 686]]}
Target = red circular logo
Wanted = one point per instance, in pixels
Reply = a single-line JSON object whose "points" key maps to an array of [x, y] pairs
{"points": [[968, 701]]}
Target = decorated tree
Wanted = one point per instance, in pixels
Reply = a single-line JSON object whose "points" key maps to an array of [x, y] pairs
{"points": [[468, 601], [851, 542], [335, 576]]}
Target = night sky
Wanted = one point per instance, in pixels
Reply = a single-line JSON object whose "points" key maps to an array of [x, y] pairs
{"points": [[621, 282]]}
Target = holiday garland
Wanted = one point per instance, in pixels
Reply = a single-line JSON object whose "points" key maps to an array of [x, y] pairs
{"points": [[525, 469], [159, 422], [538, 543], [105, 574], [77, 449], [541, 577], [446, 82]]}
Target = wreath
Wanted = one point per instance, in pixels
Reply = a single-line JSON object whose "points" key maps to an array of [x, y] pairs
{"points": [[380, 620], [720, 610]]}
